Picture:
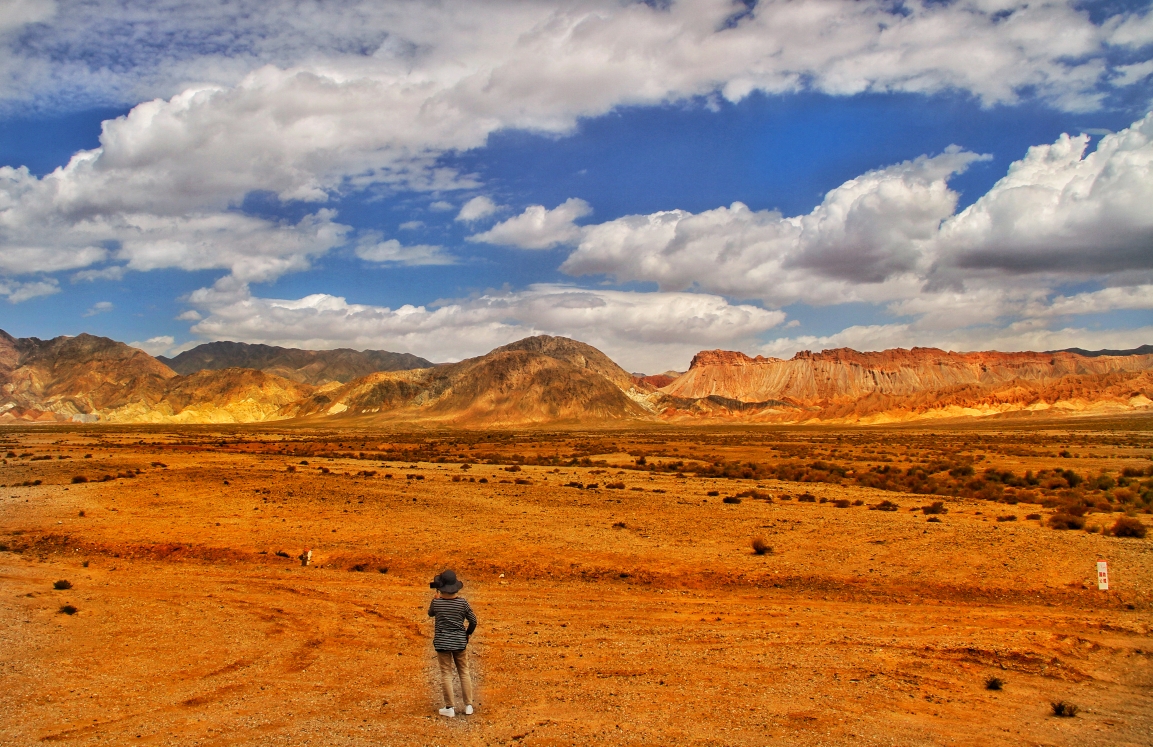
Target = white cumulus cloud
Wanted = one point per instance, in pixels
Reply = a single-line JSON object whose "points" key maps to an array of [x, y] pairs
{"points": [[538, 227], [641, 331], [372, 249], [476, 209]]}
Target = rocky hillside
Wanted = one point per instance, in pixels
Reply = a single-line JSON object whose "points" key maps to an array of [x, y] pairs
{"points": [[73, 378], [90, 379], [537, 380], [844, 384], [555, 380], [847, 375], [315, 367]]}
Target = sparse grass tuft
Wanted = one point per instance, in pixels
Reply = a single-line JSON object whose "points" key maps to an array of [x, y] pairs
{"points": [[1066, 521], [760, 547], [62, 584], [1064, 709], [1127, 526], [994, 683]]}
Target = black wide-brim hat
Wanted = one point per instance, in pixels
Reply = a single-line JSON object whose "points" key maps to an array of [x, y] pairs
{"points": [[449, 583]]}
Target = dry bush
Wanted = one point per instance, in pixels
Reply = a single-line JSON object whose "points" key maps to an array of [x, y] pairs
{"points": [[994, 683], [1064, 709], [615, 485], [713, 493], [282, 554], [1066, 521], [574, 484], [1007, 517], [619, 525], [79, 479], [62, 584], [807, 498], [456, 478], [290, 468], [885, 506], [842, 503], [68, 609], [1127, 526], [359, 568], [522, 481], [514, 468], [730, 499], [483, 479], [858, 502], [1033, 517], [592, 486], [934, 519], [937, 507], [760, 547]]}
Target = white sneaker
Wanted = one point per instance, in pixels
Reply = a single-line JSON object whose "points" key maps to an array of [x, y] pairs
{"points": [[450, 712], [468, 710]]}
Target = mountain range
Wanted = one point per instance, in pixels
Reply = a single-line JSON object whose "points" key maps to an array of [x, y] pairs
{"points": [[550, 380]]}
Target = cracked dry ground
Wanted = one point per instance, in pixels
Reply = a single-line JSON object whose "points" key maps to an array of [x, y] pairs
{"points": [[623, 616]]}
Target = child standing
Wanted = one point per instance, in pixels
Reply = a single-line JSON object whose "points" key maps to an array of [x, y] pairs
{"points": [[451, 638]]}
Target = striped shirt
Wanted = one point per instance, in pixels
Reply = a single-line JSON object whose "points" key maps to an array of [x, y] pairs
{"points": [[450, 614]]}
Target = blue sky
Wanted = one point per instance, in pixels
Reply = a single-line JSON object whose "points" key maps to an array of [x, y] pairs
{"points": [[303, 179]]}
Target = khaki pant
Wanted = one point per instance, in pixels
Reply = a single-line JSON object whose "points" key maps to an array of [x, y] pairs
{"points": [[446, 660]]}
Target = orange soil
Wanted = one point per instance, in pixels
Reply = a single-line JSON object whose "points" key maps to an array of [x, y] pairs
{"points": [[622, 617]]}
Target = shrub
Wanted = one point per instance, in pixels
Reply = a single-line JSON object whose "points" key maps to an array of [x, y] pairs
{"points": [[290, 468], [937, 507], [592, 486], [731, 499], [615, 486], [68, 609], [62, 584], [1128, 527], [79, 479], [619, 525], [514, 468], [522, 481], [85, 564], [858, 502], [1033, 517], [807, 498], [483, 479], [359, 568], [573, 484], [885, 506], [1007, 517], [760, 547], [934, 519], [842, 503], [456, 478], [81, 514], [281, 554], [994, 683], [713, 493], [1064, 709], [1066, 521], [382, 569]]}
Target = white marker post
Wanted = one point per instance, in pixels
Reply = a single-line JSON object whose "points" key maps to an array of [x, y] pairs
{"points": [[1102, 576]]}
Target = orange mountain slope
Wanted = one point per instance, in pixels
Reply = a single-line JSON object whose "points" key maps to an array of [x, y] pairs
{"points": [[844, 375]]}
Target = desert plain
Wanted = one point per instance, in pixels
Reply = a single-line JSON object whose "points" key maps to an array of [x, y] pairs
{"points": [[619, 597]]}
